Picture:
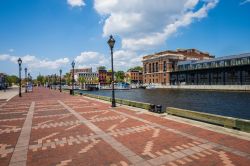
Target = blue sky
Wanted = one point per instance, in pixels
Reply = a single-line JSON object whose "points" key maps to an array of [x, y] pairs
{"points": [[49, 34]]}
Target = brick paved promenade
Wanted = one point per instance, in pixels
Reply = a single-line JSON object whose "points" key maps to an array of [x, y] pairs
{"points": [[47, 127]]}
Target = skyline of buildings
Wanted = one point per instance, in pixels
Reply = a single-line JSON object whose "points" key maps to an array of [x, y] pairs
{"points": [[176, 67], [173, 66], [184, 67]]}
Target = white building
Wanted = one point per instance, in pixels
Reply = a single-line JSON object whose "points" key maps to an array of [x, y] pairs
{"points": [[89, 76]]}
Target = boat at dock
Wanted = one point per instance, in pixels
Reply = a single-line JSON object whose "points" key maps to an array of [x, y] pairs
{"points": [[150, 87]]}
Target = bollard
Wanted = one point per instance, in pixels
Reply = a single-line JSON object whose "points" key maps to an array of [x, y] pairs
{"points": [[158, 109], [152, 108]]}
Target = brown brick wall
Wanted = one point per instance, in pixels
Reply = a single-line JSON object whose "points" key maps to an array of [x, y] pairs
{"points": [[156, 67], [135, 76]]}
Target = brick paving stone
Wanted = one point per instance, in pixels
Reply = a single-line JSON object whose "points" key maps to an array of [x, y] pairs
{"points": [[108, 136], [106, 125], [94, 156], [223, 139], [209, 135]]}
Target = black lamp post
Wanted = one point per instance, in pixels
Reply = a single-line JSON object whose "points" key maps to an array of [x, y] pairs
{"points": [[55, 82], [5, 82], [51, 81], [48, 81], [25, 69], [20, 81], [73, 79], [60, 80], [28, 79], [111, 43]]}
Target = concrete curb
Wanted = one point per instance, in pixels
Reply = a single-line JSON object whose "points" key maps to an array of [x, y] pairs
{"points": [[229, 122]]}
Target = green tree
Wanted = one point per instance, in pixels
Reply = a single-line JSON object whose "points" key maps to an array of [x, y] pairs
{"points": [[101, 68], [128, 79], [138, 68], [35, 82], [120, 75], [46, 79], [108, 81], [12, 80], [96, 80], [68, 78], [82, 80], [40, 79]]}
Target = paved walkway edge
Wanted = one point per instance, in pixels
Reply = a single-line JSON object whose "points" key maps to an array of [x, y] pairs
{"points": [[19, 156]]}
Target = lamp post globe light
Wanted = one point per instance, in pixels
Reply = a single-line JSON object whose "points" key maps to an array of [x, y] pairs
{"points": [[111, 43], [19, 61], [60, 80], [26, 82], [73, 79]]}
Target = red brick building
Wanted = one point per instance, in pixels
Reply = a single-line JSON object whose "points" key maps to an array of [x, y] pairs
{"points": [[134, 77], [104, 77], [156, 67]]}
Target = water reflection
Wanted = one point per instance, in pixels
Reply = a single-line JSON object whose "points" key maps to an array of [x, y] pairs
{"points": [[234, 104]]}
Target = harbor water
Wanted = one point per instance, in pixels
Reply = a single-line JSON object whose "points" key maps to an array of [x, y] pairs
{"points": [[233, 104]]}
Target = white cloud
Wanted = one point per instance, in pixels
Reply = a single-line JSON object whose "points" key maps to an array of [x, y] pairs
{"points": [[7, 57], [76, 3], [56, 64], [244, 2], [123, 60], [146, 24], [35, 63], [91, 59], [4, 57]]}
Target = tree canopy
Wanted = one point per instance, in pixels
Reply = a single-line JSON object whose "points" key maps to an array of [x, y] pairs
{"points": [[82, 80], [120, 75], [138, 68], [68, 78], [40, 79], [101, 68], [12, 79]]}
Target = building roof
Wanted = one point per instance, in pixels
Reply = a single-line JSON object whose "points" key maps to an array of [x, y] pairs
{"points": [[102, 70], [179, 53], [133, 71], [245, 55], [82, 70]]}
